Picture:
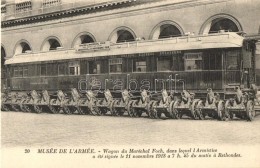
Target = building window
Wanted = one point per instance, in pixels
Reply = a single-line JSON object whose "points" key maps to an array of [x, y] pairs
{"points": [[74, 68], [139, 65], [115, 65], [3, 9], [48, 3], [43, 70], [23, 6], [193, 61]]}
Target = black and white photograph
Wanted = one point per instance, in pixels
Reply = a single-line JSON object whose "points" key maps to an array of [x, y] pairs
{"points": [[130, 83]]}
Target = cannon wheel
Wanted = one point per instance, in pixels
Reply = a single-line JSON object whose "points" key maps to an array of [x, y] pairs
{"points": [[115, 112], [176, 113], [171, 108], [193, 109], [93, 110], [4, 108], [149, 109], [37, 109], [53, 109], [155, 113], [67, 110], [199, 111], [14, 108], [250, 110], [99, 111], [223, 110], [130, 108], [80, 111]]}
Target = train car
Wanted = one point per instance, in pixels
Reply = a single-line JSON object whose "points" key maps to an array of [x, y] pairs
{"points": [[220, 61]]}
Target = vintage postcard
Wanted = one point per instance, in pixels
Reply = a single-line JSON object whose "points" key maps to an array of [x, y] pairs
{"points": [[130, 83]]}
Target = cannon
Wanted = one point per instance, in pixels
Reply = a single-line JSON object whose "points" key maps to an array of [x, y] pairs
{"points": [[6, 101], [185, 105], [121, 105], [164, 105], [104, 105], [58, 102], [29, 103], [241, 106], [87, 103], [141, 105], [13, 101], [213, 106], [71, 104]]}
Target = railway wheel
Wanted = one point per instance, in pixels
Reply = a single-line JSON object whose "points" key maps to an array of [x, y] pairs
{"points": [[199, 110], [194, 109], [250, 110], [176, 113], [223, 109], [37, 109]]}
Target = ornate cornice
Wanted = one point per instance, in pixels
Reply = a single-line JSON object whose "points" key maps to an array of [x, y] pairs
{"points": [[68, 13]]}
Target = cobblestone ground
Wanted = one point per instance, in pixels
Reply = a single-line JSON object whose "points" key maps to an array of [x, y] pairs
{"points": [[28, 129]]}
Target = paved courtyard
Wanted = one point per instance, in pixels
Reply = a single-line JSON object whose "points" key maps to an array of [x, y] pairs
{"points": [[31, 130]]}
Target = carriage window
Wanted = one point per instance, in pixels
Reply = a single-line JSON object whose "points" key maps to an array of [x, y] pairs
{"points": [[18, 71], [115, 65], [43, 70], [62, 69], [164, 63], [94, 67], [193, 61], [25, 71], [232, 60], [139, 65], [74, 68]]}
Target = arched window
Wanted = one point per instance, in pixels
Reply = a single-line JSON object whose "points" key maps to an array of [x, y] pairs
{"points": [[122, 34], [83, 38], [54, 44], [221, 22], [166, 29], [51, 43], [22, 47], [86, 39]]}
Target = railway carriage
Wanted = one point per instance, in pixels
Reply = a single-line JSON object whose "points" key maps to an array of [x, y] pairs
{"points": [[219, 61]]}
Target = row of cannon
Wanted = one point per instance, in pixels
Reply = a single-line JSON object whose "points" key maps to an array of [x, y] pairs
{"points": [[153, 104]]}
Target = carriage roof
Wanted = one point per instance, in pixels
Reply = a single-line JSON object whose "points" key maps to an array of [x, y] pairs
{"points": [[93, 50]]}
